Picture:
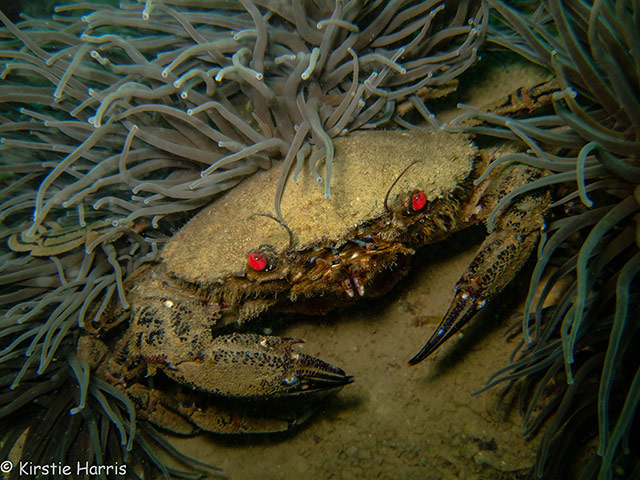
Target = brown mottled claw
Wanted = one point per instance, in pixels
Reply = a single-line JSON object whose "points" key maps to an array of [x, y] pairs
{"points": [[463, 307], [256, 366], [301, 374], [241, 370], [288, 372], [501, 255], [315, 375]]}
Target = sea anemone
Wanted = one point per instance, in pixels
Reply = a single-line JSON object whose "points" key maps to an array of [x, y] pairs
{"points": [[82, 422], [576, 365], [118, 119]]}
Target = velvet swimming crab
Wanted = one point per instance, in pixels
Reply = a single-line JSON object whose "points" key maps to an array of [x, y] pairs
{"points": [[392, 192]]}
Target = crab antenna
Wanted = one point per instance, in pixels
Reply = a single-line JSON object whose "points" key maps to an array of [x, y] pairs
{"points": [[282, 224], [464, 306], [386, 197]]}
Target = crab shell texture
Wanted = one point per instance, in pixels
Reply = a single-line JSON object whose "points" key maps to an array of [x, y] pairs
{"points": [[341, 245]]}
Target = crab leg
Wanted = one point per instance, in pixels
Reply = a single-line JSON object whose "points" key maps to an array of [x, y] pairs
{"points": [[242, 370], [495, 265], [187, 415], [501, 256], [256, 366]]}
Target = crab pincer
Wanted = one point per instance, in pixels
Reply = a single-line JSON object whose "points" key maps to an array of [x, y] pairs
{"points": [[253, 366], [501, 256], [462, 309]]}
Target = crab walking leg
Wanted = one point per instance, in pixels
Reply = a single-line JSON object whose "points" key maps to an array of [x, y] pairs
{"points": [[502, 254], [180, 414]]}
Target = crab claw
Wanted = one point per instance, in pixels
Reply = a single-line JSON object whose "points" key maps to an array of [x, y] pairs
{"points": [[463, 307], [258, 366], [312, 375]]}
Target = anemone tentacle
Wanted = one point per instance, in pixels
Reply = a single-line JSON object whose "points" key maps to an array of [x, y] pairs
{"points": [[592, 136]]}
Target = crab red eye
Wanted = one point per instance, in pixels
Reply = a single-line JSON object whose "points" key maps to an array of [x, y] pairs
{"points": [[418, 201], [257, 261]]}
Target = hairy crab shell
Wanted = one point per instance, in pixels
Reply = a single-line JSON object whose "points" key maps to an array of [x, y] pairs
{"points": [[213, 251]]}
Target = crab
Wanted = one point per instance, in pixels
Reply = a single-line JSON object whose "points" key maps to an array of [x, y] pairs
{"points": [[173, 350]]}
